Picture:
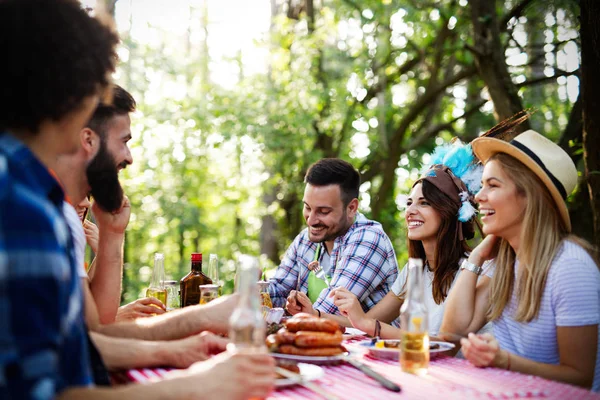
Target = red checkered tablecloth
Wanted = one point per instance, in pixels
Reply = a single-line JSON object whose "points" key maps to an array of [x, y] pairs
{"points": [[447, 378]]}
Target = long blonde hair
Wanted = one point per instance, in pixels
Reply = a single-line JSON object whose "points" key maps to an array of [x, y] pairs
{"points": [[541, 235]]}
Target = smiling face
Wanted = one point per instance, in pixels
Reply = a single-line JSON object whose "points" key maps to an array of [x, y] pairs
{"points": [[82, 207], [325, 213], [501, 205], [118, 134], [422, 220]]}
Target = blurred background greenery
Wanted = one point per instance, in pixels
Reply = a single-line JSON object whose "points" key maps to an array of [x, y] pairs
{"points": [[238, 97]]}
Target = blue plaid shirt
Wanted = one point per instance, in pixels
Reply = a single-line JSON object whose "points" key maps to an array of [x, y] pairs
{"points": [[43, 343], [367, 266]]}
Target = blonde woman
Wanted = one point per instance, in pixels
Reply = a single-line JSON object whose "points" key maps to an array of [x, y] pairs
{"points": [[544, 297]]}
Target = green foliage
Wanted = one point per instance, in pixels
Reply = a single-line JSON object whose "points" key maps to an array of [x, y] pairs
{"points": [[368, 84]]}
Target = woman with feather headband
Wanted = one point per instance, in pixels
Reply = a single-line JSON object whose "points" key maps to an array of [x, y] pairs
{"points": [[440, 218]]}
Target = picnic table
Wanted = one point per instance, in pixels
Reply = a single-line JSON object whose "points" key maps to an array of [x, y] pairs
{"points": [[447, 378]]}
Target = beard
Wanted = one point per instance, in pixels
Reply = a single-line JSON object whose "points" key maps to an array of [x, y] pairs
{"points": [[338, 229], [103, 178]]}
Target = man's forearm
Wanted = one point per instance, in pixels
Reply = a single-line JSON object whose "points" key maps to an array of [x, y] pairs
{"points": [[168, 389], [213, 317], [122, 353], [106, 282]]}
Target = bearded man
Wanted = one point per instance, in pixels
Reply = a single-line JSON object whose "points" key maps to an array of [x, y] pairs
{"points": [[352, 251]]}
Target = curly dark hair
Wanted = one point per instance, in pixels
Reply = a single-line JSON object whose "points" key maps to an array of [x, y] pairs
{"points": [[54, 55], [122, 103]]}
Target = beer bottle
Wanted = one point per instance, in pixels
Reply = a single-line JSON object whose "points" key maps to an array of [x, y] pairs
{"points": [[189, 284], [157, 285], [414, 355], [247, 326]]}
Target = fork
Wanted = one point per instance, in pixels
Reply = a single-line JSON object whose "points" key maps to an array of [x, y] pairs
{"points": [[319, 273], [298, 282]]}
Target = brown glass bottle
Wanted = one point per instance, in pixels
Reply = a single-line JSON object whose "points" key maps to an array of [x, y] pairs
{"points": [[189, 284]]}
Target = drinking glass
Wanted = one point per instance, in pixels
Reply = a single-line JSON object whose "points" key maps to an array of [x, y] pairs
{"points": [[213, 269], [208, 293], [172, 295], [265, 297]]}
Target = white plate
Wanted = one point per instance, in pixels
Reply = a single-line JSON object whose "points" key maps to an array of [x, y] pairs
{"points": [[309, 372], [394, 353], [352, 333], [329, 360]]}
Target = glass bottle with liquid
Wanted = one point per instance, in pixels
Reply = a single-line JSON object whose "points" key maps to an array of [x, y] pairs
{"points": [[414, 342], [247, 326], [157, 284], [190, 284]]}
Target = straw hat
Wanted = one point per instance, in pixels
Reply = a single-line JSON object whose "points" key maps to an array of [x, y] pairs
{"points": [[545, 158]]}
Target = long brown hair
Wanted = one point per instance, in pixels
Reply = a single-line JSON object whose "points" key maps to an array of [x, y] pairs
{"points": [[542, 232], [449, 247]]}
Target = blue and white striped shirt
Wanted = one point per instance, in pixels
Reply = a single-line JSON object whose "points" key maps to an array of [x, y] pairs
{"points": [[571, 297], [367, 266], [43, 343]]}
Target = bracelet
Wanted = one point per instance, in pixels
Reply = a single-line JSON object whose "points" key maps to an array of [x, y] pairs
{"points": [[377, 328], [508, 361], [469, 266], [319, 312]]}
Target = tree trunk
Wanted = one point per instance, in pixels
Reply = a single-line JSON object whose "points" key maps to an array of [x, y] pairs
{"points": [[590, 87], [535, 53], [268, 231], [491, 60]]}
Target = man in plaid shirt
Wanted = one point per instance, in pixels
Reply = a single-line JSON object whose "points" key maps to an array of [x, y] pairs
{"points": [[353, 251]]}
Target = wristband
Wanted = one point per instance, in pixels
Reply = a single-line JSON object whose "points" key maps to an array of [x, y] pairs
{"points": [[377, 328]]}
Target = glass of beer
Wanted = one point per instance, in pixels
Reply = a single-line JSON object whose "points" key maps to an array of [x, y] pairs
{"points": [[208, 293], [265, 298]]}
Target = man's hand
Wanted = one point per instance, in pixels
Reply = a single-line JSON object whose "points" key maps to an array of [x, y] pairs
{"points": [[299, 302], [115, 222], [184, 352], [139, 309], [91, 235], [234, 376]]}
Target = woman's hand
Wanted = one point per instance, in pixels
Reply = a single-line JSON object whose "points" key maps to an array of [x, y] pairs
{"points": [[484, 351], [486, 250], [140, 308], [350, 307], [299, 302], [91, 235]]}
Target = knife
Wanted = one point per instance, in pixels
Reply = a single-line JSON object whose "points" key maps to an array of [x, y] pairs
{"points": [[385, 382], [299, 379]]}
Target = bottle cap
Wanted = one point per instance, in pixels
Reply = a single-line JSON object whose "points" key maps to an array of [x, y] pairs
{"points": [[196, 256]]}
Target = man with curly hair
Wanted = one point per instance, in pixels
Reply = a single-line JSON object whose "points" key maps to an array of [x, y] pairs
{"points": [[56, 63]]}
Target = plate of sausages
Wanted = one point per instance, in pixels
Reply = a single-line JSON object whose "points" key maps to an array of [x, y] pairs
{"points": [[308, 339]]}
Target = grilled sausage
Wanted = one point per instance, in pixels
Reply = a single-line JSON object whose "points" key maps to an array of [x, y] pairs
{"points": [[271, 342], [318, 339], [312, 324], [315, 352], [283, 336]]}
